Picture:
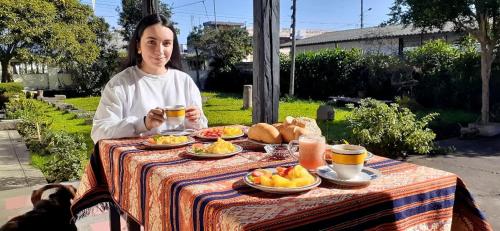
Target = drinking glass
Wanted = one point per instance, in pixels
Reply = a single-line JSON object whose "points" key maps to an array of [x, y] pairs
{"points": [[174, 116], [311, 151]]}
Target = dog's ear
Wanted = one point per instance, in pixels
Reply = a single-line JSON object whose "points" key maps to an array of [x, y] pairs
{"points": [[70, 189], [37, 194]]}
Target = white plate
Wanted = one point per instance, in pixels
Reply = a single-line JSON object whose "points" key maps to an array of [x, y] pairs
{"points": [[199, 135], [281, 190], [364, 177], [160, 146], [190, 152], [257, 142], [184, 132]]}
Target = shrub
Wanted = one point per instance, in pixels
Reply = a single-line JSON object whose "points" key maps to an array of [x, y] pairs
{"points": [[229, 81], [68, 156], [376, 74], [325, 73], [11, 87], [32, 114], [390, 129], [7, 90], [67, 151]]}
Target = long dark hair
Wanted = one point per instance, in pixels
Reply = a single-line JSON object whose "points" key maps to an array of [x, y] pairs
{"points": [[133, 58]]}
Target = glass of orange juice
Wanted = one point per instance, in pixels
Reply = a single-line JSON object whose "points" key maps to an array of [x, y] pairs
{"points": [[311, 151]]}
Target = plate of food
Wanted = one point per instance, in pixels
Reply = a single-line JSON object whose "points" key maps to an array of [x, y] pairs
{"points": [[227, 132], [169, 141], [282, 180], [217, 149]]}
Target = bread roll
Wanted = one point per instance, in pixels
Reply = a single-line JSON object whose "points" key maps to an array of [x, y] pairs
{"points": [[264, 133], [309, 124], [292, 132], [278, 125]]}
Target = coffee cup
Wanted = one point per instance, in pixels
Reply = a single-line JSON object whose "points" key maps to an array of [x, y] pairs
{"points": [[347, 160], [174, 116]]}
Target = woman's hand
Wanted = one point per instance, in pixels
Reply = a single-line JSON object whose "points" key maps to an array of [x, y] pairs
{"points": [[154, 118], [193, 113]]}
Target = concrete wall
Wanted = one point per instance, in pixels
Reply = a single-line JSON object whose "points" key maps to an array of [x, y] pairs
{"points": [[388, 46], [44, 81]]}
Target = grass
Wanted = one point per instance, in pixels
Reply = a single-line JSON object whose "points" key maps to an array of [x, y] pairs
{"points": [[226, 108], [62, 121], [85, 103]]}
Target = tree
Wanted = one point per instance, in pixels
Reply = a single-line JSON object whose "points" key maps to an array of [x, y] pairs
{"points": [[480, 18], [225, 47], [53, 31], [195, 40], [91, 78], [131, 14]]}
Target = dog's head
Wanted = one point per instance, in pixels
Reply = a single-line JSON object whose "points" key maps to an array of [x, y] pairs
{"points": [[62, 196], [47, 214]]}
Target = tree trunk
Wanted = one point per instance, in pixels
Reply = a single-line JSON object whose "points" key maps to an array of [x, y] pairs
{"points": [[486, 61], [197, 67], [5, 71]]}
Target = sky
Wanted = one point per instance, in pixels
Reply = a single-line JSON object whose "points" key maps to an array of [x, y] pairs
{"points": [[330, 15]]}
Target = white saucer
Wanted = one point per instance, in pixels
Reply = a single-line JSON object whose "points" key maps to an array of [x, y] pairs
{"points": [[364, 177]]}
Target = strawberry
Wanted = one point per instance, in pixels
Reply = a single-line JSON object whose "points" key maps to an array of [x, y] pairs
{"points": [[257, 173], [287, 170], [281, 171]]}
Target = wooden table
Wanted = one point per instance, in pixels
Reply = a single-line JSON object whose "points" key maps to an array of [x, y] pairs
{"points": [[167, 190]]}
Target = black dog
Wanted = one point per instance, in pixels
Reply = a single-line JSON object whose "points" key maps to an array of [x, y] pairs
{"points": [[50, 214]]}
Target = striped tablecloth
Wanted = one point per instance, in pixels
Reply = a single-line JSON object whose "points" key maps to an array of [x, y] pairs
{"points": [[167, 190]]}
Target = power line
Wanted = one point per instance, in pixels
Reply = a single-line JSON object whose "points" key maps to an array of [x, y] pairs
{"points": [[187, 4]]}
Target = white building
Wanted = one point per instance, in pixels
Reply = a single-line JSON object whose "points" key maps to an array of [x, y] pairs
{"points": [[392, 40]]}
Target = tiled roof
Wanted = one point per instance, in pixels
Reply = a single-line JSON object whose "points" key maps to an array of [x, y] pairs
{"points": [[365, 33]]}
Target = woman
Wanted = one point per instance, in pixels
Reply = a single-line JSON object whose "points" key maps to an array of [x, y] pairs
{"points": [[132, 101]]}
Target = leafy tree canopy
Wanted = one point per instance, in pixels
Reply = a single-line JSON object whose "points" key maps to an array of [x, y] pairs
{"points": [[45, 30], [479, 18], [225, 47], [131, 14]]}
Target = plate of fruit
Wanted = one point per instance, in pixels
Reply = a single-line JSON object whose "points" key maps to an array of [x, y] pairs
{"points": [[227, 132], [217, 149], [282, 180], [170, 141]]}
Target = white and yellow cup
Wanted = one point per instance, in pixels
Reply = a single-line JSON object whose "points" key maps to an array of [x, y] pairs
{"points": [[347, 160], [175, 116]]}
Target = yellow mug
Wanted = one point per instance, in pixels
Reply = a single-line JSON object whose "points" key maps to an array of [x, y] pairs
{"points": [[347, 160]]}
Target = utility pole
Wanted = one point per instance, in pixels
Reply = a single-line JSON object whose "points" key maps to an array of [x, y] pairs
{"points": [[291, 90], [361, 14], [215, 17]]}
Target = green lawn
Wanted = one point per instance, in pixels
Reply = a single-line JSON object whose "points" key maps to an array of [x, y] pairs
{"points": [[86, 103], [224, 109]]}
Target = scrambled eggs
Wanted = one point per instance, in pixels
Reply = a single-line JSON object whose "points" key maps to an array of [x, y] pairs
{"points": [[170, 139], [219, 147], [232, 131]]}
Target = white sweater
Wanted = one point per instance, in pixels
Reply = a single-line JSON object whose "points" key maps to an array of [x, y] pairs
{"points": [[129, 96]]}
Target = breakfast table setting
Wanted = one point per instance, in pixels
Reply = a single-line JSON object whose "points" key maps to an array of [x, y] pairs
{"points": [[253, 178]]}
